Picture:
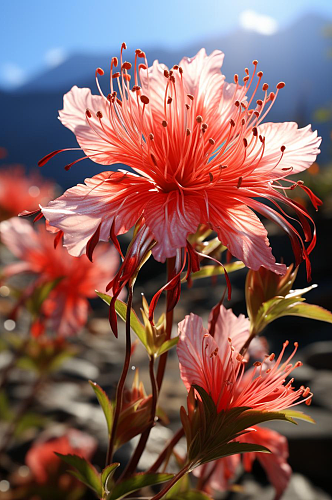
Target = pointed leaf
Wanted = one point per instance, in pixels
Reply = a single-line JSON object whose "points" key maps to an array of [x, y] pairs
{"points": [[232, 448], [168, 345], [107, 477], [309, 311], [121, 310], [105, 403], [208, 271], [85, 472], [137, 482], [299, 415]]}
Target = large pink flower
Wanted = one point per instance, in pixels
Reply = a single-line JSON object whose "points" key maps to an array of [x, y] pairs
{"points": [[66, 308], [200, 154], [214, 363]]}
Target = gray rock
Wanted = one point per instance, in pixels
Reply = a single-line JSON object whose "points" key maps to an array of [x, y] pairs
{"points": [[318, 355], [321, 386]]}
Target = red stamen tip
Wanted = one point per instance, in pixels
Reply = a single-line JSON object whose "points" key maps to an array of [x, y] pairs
{"points": [[281, 85], [145, 99], [99, 71], [126, 65]]}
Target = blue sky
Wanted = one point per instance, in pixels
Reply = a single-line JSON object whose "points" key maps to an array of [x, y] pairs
{"points": [[37, 34]]}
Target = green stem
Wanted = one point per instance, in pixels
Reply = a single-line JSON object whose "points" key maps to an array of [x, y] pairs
{"points": [[122, 380], [171, 483]]}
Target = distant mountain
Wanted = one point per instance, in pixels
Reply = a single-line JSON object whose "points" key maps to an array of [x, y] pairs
{"points": [[298, 55]]}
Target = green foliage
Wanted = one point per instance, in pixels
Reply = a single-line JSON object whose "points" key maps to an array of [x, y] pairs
{"points": [[289, 306], [84, 472], [152, 337], [208, 271], [137, 482], [212, 435], [105, 403], [107, 478], [121, 310]]}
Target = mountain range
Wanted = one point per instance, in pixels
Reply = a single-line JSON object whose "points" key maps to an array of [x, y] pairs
{"points": [[299, 55]]}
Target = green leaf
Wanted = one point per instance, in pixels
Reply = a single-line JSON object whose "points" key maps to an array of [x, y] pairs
{"points": [[233, 448], [308, 311], [292, 305], [105, 403], [180, 488], [166, 346], [85, 472], [107, 477], [137, 482], [208, 271], [299, 415], [121, 310]]}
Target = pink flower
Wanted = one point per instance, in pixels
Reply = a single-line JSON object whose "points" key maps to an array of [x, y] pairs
{"points": [[275, 464], [200, 154], [66, 308], [43, 462], [214, 364], [20, 191], [219, 474]]}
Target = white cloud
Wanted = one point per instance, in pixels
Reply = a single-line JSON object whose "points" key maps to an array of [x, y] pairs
{"points": [[12, 75], [56, 56], [251, 20]]}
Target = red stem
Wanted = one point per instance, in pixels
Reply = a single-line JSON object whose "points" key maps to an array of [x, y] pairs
{"points": [[166, 451], [121, 383], [132, 464], [169, 324], [171, 483]]}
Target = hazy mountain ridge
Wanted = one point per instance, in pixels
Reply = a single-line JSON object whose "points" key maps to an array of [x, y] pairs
{"points": [[298, 55]]}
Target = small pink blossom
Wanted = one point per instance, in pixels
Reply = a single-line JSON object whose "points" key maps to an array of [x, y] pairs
{"points": [[214, 363], [200, 155], [66, 308]]}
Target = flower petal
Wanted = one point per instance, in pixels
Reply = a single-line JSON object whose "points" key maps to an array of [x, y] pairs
{"points": [[199, 363], [106, 197], [202, 76], [170, 219], [242, 232], [229, 326], [275, 464], [302, 148], [90, 137]]}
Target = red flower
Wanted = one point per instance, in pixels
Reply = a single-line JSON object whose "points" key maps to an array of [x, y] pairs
{"points": [[43, 462], [214, 364], [201, 155], [66, 308]]}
